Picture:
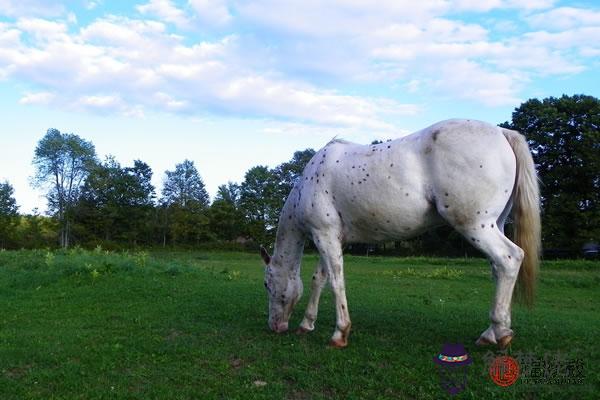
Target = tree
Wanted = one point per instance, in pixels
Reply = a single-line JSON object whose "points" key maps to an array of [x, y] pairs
{"points": [[229, 193], [226, 220], [564, 137], [185, 203], [62, 162], [260, 203], [116, 203], [9, 212], [289, 172], [184, 185]]}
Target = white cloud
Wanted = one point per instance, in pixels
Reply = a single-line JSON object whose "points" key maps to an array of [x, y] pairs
{"points": [[125, 65], [211, 11], [72, 18], [41, 29], [92, 4], [29, 8], [166, 11], [468, 80], [142, 66], [37, 98], [564, 18]]}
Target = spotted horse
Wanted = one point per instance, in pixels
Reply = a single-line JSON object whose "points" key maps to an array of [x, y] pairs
{"points": [[464, 173]]}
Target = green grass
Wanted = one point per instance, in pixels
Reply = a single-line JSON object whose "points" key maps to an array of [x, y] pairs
{"points": [[88, 325]]}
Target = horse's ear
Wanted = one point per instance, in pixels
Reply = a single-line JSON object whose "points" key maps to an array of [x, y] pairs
{"points": [[265, 256]]}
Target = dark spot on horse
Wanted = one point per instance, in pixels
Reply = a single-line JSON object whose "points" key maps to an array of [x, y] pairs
{"points": [[389, 147], [492, 225], [306, 178], [506, 191], [333, 197], [337, 161], [311, 178], [352, 183], [486, 211], [388, 221], [406, 194], [392, 164], [446, 206], [389, 177], [473, 239], [323, 175], [317, 181], [483, 225], [312, 163], [314, 277], [364, 179], [367, 174], [312, 204], [328, 214], [359, 182], [446, 194], [435, 135], [353, 166], [290, 217], [327, 192], [481, 166], [509, 257], [428, 150], [478, 212], [343, 307]]}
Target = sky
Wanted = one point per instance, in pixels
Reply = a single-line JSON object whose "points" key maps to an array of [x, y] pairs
{"points": [[234, 84]]}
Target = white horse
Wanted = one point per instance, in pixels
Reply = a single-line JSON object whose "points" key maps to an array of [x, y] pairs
{"points": [[464, 173]]}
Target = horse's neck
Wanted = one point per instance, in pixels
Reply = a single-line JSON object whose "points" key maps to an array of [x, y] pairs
{"points": [[289, 245]]}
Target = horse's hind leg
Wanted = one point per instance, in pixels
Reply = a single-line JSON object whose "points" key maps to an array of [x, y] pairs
{"points": [[319, 279], [506, 258]]}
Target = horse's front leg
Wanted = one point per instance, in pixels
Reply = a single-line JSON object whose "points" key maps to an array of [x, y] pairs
{"points": [[319, 279], [330, 249]]}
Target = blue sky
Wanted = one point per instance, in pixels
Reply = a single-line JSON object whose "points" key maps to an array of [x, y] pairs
{"points": [[233, 84]]}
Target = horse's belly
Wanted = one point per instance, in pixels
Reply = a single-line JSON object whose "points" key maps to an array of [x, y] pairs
{"points": [[381, 218]]}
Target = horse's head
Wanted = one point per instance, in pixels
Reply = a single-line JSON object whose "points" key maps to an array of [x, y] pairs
{"points": [[284, 289]]}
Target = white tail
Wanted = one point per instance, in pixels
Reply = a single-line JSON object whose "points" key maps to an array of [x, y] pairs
{"points": [[526, 215]]}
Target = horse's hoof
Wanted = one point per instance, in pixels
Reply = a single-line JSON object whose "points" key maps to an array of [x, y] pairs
{"points": [[302, 330], [504, 341], [338, 343], [483, 342]]}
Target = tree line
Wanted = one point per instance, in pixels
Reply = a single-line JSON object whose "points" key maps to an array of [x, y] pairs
{"points": [[95, 202]]}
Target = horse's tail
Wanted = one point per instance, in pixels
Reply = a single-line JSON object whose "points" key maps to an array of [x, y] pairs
{"points": [[526, 215]]}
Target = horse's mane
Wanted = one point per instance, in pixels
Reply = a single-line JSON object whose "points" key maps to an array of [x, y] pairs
{"points": [[337, 140]]}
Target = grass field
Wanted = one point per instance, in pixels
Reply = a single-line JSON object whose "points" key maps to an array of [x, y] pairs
{"points": [[88, 325]]}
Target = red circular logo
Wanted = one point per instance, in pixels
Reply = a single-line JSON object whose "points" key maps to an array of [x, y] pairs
{"points": [[504, 371]]}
